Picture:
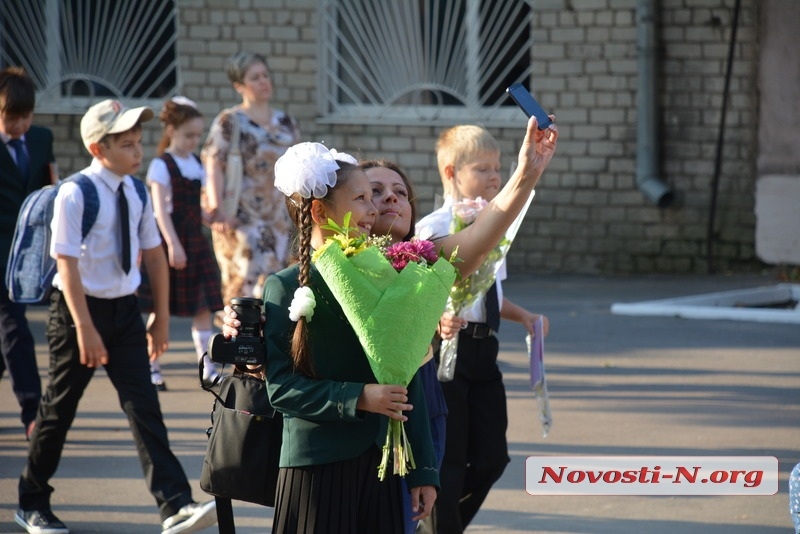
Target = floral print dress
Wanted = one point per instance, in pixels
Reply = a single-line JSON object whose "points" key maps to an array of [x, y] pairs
{"points": [[259, 245]]}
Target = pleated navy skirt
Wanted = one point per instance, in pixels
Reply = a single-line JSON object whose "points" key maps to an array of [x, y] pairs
{"points": [[340, 498]]}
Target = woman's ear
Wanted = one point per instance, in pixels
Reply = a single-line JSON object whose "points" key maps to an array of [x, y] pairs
{"points": [[238, 87], [318, 212]]}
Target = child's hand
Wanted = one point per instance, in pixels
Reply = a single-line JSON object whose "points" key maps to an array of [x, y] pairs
{"points": [[177, 257], [529, 319], [93, 351], [537, 149], [422, 499], [389, 400], [450, 325], [157, 336]]}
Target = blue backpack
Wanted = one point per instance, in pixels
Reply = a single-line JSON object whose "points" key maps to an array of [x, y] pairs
{"points": [[30, 271]]}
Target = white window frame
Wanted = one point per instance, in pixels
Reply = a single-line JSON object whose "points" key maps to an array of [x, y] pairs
{"points": [[403, 41], [91, 56]]}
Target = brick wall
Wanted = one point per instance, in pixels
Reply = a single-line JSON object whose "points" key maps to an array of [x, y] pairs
{"points": [[588, 216]]}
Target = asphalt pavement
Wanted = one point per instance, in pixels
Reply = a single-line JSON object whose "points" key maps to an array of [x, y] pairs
{"points": [[618, 386]]}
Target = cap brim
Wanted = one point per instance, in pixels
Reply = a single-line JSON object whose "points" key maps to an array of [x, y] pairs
{"points": [[129, 118]]}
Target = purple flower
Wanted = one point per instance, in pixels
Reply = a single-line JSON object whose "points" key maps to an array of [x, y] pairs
{"points": [[414, 251]]}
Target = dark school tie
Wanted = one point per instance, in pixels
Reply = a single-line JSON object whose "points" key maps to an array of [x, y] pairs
{"points": [[492, 308], [23, 164], [122, 203]]}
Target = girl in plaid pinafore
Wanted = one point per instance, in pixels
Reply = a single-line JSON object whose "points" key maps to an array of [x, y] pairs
{"points": [[176, 178]]}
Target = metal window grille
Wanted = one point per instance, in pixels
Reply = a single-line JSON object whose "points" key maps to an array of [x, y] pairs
{"points": [[81, 51], [422, 61]]}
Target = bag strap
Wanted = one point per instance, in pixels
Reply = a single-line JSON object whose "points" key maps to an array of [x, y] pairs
{"points": [[91, 202], [215, 382], [235, 137], [141, 190]]}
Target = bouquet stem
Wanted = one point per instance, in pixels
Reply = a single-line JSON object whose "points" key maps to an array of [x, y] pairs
{"points": [[385, 456], [396, 444]]}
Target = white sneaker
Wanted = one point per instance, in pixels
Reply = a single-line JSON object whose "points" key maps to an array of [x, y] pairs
{"points": [[40, 522], [191, 518]]}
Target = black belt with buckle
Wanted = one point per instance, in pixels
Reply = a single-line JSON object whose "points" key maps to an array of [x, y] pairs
{"points": [[477, 330]]}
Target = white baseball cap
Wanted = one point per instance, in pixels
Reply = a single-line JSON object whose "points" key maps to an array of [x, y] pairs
{"points": [[110, 117]]}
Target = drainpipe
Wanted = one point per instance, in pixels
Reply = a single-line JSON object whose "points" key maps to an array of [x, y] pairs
{"points": [[647, 175]]}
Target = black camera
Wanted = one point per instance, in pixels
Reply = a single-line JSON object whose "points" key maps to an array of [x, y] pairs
{"points": [[248, 347]]}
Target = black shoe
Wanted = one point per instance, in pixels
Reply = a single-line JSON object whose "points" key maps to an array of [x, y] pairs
{"points": [[158, 381], [191, 518], [40, 522]]}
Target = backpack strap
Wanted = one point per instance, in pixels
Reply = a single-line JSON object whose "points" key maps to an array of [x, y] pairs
{"points": [[91, 202], [141, 190]]}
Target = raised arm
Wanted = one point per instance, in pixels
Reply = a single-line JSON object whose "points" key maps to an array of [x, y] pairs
{"points": [[475, 241]]}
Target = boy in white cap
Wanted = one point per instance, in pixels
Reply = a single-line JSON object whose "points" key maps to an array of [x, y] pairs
{"points": [[95, 320]]}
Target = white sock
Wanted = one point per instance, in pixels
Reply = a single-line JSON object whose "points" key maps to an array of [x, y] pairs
{"points": [[200, 339]]}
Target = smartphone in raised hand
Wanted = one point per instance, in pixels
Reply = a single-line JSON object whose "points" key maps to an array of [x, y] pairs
{"points": [[529, 105]]}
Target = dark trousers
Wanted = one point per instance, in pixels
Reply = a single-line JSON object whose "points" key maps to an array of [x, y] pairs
{"points": [[476, 451], [19, 355], [120, 325]]}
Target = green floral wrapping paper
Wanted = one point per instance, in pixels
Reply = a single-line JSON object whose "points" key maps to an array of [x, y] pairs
{"points": [[394, 314]]}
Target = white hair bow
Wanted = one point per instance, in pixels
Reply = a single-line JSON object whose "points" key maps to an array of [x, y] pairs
{"points": [[308, 169], [343, 156], [183, 101]]}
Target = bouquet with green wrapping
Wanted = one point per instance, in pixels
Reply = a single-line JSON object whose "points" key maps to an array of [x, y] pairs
{"points": [[393, 297]]}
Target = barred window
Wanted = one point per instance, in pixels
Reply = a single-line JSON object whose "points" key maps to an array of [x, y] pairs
{"points": [[422, 61], [78, 51]]}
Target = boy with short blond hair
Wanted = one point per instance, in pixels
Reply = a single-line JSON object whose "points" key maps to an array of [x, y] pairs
{"points": [[95, 320], [476, 451], [459, 145]]}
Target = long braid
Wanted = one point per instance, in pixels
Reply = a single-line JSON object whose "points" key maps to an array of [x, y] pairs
{"points": [[301, 344], [300, 212]]}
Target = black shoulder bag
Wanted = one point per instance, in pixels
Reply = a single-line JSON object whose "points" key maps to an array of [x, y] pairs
{"points": [[244, 441]]}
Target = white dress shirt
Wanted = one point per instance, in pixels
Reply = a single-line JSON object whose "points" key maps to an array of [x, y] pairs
{"points": [[99, 255]]}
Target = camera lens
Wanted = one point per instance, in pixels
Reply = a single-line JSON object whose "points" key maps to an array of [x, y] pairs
{"points": [[248, 311]]}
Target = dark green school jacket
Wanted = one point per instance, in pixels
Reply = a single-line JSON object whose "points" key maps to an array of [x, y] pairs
{"points": [[321, 423]]}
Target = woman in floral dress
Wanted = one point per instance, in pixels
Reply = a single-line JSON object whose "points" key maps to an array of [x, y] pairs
{"points": [[252, 243]]}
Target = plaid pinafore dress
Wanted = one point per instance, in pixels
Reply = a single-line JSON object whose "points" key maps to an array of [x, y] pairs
{"points": [[198, 286]]}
